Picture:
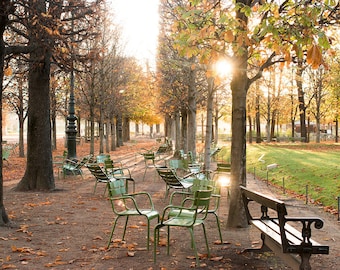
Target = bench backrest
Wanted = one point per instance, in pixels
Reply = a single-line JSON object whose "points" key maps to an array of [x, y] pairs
{"points": [[264, 200]]}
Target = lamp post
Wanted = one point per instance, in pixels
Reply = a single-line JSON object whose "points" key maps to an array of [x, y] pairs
{"points": [[71, 129], [120, 120]]}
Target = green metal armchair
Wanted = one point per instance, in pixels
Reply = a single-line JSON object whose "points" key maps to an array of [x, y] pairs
{"points": [[198, 205], [199, 184], [74, 167], [127, 205]]}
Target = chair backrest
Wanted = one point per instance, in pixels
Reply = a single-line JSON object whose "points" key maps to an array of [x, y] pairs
{"points": [[97, 172], [223, 167], [102, 157], [149, 156], [82, 162], [202, 201], [199, 184], [178, 164], [110, 168], [108, 163], [169, 176], [116, 188]]}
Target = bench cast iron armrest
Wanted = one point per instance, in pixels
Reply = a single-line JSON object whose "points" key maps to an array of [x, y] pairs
{"points": [[306, 231]]}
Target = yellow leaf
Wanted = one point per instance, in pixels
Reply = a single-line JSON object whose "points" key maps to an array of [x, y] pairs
{"points": [[314, 56]]}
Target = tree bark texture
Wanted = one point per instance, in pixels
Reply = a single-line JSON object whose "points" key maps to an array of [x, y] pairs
{"points": [[39, 169], [4, 10], [209, 122], [192, 109], [239, 87]]}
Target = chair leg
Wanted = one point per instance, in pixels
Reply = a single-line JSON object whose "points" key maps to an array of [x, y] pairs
{"points": [[193, 244], [148, 236], [206, 240], [168, 242], [95, 187], [144, 173], [218, 226], [126, 222], [156, 239], [113, 229]]}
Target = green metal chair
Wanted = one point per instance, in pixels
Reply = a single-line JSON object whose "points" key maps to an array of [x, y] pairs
{"points": [[126, 205], [201, 184], [173, 181], [99, 174], [198, 204], [149, 161], [116, 170], [74, 167]]}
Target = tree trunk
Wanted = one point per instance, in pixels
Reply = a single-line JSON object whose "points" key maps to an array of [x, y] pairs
{"points": [[39, 169], [239, 87], [216, 124], [4, 7], [119, 127], [91, 130], [177, 132], [184, 131], [113, 134], [107, 137], [258, 120], [250, 132], [192, 109], [208, 130], [302, 107], [126, 129], [21, 121], [101, 130]]}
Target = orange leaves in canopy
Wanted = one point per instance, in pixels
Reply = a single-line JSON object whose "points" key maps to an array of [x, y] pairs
{"points": [[314, 56], [8, 71]]}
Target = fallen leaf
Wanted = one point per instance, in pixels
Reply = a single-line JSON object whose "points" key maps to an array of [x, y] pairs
{"points": [[63, 250], [162, 242], [215, 259], [131, 254], [107, 257], [8, 266]]}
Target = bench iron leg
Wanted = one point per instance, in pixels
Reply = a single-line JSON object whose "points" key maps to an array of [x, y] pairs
{"points": [[263, 248], [305, 265]]}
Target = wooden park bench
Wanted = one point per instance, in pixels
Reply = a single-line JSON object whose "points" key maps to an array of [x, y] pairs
{"points": [[277, 235]]}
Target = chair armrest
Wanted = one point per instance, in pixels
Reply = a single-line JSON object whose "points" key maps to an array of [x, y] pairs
{"points": [[140, 194], [197, 173], [182, 193], [174, 207], [70, 161]]}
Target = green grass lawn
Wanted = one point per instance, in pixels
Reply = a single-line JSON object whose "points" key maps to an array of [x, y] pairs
{"points": [[315, 167]]}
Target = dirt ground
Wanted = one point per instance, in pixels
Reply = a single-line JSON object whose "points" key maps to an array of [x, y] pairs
{"points": [[69, 228]]}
